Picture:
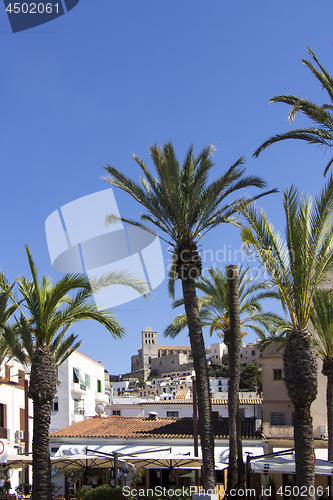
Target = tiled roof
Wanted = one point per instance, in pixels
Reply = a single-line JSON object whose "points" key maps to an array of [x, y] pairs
{"points": [[143, 427], [215, 401], [182, 394]]}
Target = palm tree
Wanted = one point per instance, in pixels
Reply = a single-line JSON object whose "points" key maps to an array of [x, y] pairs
{"points": [[214, 312], [214, 305], [6, 312], [322, 320], [236, 464], [322, 131], [180, 203], [50, 311], [297, 268]]}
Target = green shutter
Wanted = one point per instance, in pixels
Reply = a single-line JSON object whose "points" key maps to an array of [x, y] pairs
{"points": [[79, 377], [99, 386], [87, 380]]}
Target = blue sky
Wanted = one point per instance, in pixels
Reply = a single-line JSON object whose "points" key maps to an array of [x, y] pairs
{"points": [[109, 78]]}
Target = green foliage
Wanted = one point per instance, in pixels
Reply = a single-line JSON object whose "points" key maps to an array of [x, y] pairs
{"points": [[322, 132], [23, 489], [214, 305], [250, 378], [141, 384], [102, 493], [178, 199], [218, 371], [299, 265]]}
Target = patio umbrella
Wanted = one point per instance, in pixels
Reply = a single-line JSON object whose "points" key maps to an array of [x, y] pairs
{"points": [[16, 461], [160, 460]]}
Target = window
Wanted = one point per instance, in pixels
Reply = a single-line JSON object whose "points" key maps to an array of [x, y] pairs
{"points": [[75, 376], [253, 353], [278, 419], [76, 406], [21, 378], [3, 415], [277, 374], [116, 412], [152, 341], [22, 419], [99, 386], [55, 405], [172, 413], [78, 378], [87, 380]]}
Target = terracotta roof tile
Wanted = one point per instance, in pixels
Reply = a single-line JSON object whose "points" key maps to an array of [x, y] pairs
{"points": [[215, 401], [182, 394], [142, 427]]}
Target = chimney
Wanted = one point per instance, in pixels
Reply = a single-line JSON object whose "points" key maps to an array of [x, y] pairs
{"points": [[152, 415]]}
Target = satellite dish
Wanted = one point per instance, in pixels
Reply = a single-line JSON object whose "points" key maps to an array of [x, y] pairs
{"points": [[99, 409]]}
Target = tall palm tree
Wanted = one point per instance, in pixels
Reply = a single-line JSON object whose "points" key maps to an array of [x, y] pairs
{"points": [[180, 202], [236, 464], [322, 320], [214, 305], [297, 267], [322, 131], [214, 310], [47, 313]]}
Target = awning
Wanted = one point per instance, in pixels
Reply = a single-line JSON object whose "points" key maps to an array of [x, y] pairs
{"points": [[285, 464]]}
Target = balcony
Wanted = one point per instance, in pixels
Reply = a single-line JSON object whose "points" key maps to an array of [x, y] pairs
{"points": [[3, 433], [77, 417], [100, 397], [77, 388]]}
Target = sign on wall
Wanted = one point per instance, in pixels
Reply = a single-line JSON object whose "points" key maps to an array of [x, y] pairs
{"points": [[3, 450]]}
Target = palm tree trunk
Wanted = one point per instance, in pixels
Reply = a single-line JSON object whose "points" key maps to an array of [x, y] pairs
{"points": [[234, 374], [240, 461], [205, 424], [328, 371], [304, 450], [42, 389], [41, 488], [300, 376]]}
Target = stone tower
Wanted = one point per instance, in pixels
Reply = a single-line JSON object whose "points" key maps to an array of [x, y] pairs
{"points": [[149, 346]]}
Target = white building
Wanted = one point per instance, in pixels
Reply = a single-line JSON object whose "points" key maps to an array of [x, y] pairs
{"points": [[217, 351], [13, 412], [81, 387]]}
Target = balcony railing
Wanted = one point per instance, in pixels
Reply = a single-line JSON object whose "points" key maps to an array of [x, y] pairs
{"points": [[100, 397], [78, 388]]}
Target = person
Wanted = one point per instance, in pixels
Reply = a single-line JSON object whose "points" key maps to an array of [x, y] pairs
{"points": [[7, 485]]}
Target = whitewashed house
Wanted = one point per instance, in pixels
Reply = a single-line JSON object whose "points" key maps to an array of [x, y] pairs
{"points": [[81, 386], [15, 411]]}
